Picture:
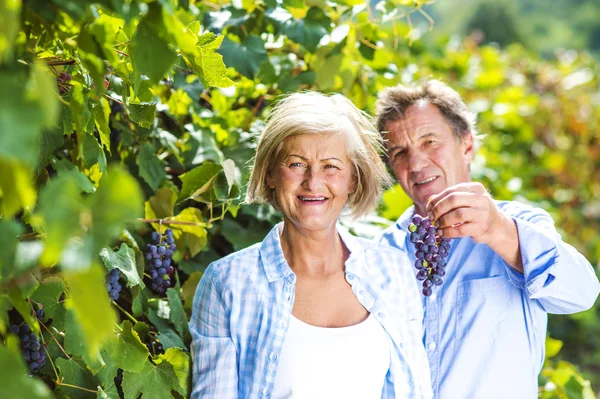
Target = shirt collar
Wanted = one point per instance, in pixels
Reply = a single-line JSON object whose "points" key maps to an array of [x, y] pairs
{"points": [[406, 218], [276, 267], [271, 255]]}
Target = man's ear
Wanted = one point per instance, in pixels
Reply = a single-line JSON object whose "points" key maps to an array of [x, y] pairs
{"points": [[468, 147]]}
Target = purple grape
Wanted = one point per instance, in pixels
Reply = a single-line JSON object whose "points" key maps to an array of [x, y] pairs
{"points": [[427, 283], [427, 291], [426, 223], [440, 272], [437, 280], [430, 239], [428, 257], [417, 219], [420, 255], [422, 274]]}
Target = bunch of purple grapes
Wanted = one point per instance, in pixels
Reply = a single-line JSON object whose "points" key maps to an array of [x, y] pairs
{"points": [[431, 253], [63, 82], [112, 284], [32, 346], [159, 265]]}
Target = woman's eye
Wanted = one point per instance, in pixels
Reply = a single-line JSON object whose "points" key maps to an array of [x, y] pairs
{"points": [[296, 165], [331, 167]]}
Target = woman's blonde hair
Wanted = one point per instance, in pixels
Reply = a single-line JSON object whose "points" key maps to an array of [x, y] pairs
{"points": [[316, 113]]}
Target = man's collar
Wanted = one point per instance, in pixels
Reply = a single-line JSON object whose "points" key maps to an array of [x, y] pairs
{"points": [[406, 218]]}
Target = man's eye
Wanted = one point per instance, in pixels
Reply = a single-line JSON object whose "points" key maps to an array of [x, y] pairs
{"points": [[399, 154]]}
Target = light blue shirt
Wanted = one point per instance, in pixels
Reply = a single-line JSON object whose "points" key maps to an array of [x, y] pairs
{"points": [[242, 309], [485, 327]]}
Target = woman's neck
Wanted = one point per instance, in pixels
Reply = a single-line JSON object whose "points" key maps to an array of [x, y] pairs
{"points": [[313, 253]]}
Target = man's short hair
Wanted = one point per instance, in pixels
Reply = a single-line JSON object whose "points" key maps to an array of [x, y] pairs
{"points": [[316, 113], [393, 102]]}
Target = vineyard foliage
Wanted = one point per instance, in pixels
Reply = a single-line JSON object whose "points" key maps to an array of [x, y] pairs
{"points": [[123, 118]]}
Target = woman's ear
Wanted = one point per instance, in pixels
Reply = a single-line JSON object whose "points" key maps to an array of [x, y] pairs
{"points": [[270, 180]]}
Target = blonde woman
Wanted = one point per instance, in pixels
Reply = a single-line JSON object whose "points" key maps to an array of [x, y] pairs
{"points": [[311, 312]]}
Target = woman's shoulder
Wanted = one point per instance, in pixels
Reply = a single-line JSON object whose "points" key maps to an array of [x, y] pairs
{"points": [[235, 266]]}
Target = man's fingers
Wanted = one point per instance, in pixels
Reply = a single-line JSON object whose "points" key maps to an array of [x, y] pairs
{"points": [[471, 187], [455, 217], [457, 231], [452, 202]]}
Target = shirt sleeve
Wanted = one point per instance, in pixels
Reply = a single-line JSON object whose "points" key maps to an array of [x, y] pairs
{"points": [[214, 357], [554, 273]]}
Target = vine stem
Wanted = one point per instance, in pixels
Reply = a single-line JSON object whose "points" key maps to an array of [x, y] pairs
{"points": [[125, 312], [62, 384], [51, 362], [41, 323], [55, 340], [173, 222], [113, 99]]}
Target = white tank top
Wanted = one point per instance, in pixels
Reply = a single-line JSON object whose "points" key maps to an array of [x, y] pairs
{"points": [[345, 362]]}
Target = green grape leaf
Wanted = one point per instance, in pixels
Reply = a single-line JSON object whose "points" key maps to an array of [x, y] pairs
{"points": [[206, 63], [64, 167], [167, 336], [125, 351], [198, 180], [92, 152], [89, 300], [154, 381], [75, 372], [149, 48], [17, 298], [177, 314], [101, 111], [60, 206], [10, 23], [190, 236], [142, 113], [16, 382], [246, 57], [16, 190], [189, 289], [117, 202], [9, 237], [27, 105], [180, 362], [74, 342], [48, 293], [151, 168], [124, 260], [162, 204]]}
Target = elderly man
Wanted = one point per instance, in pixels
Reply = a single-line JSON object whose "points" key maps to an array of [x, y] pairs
{"points": [[485, 326]]}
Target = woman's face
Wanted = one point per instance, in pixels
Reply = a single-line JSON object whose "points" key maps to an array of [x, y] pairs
{"points": [[312, 178]]}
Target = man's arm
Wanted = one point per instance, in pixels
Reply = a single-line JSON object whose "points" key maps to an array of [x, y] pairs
{"points": [[547, 268], [214, 357]]}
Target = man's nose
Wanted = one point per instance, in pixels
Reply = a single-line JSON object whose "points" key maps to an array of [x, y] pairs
{"points": [[416, 161]]}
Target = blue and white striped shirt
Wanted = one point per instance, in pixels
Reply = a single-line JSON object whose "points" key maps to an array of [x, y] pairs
{"points": [[242, 309]]}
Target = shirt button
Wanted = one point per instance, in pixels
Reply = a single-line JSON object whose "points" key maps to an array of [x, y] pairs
{"points": [[361, 292], [273, 356], [431, 345], [265, 391], [350, 277], [380, 314], [283, 324]]}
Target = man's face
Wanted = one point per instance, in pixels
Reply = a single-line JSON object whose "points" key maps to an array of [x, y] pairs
{"points": [[425, 155]]}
